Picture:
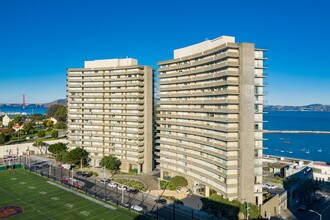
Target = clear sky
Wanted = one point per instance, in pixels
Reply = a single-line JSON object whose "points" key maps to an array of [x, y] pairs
{"points": [[39, 39]]}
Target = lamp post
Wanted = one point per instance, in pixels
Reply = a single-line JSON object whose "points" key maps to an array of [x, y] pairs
{"points": [[316, 213]]}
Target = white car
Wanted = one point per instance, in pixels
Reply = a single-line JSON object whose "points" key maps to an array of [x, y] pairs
{"points": [[272, 187], [265, 185], [137, 208], [112, 184], [121, 187]]}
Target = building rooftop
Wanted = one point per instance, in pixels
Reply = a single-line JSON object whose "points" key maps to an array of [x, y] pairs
{"points": [[110, 63], [200, 47]]}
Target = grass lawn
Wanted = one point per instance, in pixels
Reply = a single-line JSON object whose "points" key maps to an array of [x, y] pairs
{"points": [[41, 200]]}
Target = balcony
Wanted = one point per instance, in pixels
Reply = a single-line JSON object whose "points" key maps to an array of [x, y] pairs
{"points": [[204, 69], [196, 117], [223, 137]]}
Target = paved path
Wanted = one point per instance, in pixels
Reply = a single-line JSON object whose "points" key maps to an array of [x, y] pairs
{"points": [[83, 196]]}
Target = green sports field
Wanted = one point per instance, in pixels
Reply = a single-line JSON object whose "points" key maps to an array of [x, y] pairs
{"points": [[41, 200]]}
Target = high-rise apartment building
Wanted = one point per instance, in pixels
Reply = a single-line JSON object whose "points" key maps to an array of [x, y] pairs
{"points": [[210, 118], [110, 111]]}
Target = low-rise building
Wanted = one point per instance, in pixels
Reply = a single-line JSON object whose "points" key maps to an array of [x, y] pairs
{"points": [[6, 119], [321, 171]]}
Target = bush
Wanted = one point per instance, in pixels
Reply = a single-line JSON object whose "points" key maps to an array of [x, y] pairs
{"points": [[54, 134], [131, 183], [133, 171], [228, 209], [41, 133], [179, 181]]}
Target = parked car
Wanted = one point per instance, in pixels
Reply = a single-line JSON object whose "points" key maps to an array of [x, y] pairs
{"points": [[273, 187], [132, 190], [121, 187], [85, 174], [79, 173], [105, 181], [112, 184], [161, 201], [137, 208]]}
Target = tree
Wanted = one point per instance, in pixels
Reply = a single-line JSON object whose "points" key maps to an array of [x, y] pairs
{"points": [[59, 112], [41, 133], [49, 123], [111, 163], [54, 134], [39, 144], [60, 125], [36, 117], [76, 155], [4, 138], [62, 156], [28, 128], [57, 148]]}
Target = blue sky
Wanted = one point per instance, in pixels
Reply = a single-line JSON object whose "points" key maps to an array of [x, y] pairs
{"points": [[39, 39]]}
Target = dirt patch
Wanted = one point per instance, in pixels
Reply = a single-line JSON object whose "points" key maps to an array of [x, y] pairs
{"points": [[10, 210]]}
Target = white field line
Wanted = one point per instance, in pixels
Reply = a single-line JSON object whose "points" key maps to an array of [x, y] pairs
{"points": [[83, 196]]}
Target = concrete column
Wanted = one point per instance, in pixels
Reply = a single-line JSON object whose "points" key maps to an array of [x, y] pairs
{"points": [[148, 120], [207, 191], [246, 122]]}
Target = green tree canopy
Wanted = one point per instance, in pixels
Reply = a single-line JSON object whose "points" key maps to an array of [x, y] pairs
{"points": [[74, 156], [57, 148], [41, 133], [39, 143], [28, 128], [36, 117], [110, 162], [4, 138], [62, 156], [59, 112], [54, 134]]}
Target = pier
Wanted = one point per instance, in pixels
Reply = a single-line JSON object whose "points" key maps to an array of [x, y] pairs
{"points": [[294, 132]]}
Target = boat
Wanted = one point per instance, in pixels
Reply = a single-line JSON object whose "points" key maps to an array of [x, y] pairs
{"points": [[319, 150], [286, 142], [307, 152], [282, 151], [281, 138], [303, 149], [290, 152]]}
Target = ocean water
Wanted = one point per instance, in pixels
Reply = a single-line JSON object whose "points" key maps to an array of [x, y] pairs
{"points": [[27, 110], [305, 146]]}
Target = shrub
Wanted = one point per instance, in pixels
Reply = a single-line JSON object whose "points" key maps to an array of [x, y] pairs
{"points": [[41, 133], [131, 183], [133, 171], [54, 134], [228, 209], [179, 181]]}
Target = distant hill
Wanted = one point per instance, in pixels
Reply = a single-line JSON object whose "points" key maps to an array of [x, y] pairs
{"points": [[312, 107], [59, 102]]}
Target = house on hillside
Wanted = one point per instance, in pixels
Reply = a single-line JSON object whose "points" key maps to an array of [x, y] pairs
{"points": [[17, 127], [6, 119]]}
